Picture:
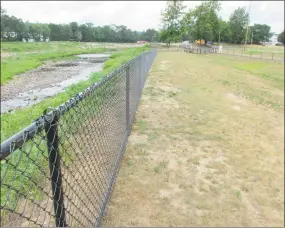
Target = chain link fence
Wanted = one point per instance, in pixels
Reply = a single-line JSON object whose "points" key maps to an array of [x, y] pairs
{"points": [[238, 52], [59, 171], [234, 51]]}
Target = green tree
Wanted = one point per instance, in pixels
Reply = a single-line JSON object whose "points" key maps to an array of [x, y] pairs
{"points": [[45, 32], [281, 37], [224, 32], [188, 25], [36, 31], [65, 32], [238, 22], [26, 35], [4, 23], [55, 32], [14, 29], [171, 22], [121, 33], [76, 33], [259, 33], [98, 34], [149, 35], [203, 22], [87, 32], [109, 33]]}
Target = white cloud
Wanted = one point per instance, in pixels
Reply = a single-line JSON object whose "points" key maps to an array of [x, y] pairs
{"points": [[137, 15]]}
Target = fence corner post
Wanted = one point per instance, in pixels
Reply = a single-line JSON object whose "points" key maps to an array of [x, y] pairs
{"points": [[51, 129], [128, 99]]}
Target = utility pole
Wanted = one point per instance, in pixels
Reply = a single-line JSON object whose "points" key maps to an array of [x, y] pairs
{"points": [[251, 37], [247, 23]]}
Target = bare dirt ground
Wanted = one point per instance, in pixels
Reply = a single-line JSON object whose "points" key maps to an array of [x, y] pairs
{"points": [[207, 146]]}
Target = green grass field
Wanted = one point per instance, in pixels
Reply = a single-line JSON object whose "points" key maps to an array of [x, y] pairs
{"points": [[39, 46]]}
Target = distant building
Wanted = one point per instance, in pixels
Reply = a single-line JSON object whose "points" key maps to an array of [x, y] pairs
{"points": [[274, 39]]}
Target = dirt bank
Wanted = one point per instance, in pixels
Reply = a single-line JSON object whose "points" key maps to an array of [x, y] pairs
{"points": [[42, 77], [47, 80]]}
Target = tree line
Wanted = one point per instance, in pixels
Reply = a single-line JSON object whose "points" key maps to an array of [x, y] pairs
{"points": [[178, 24], [204, 22], [14, 29]]}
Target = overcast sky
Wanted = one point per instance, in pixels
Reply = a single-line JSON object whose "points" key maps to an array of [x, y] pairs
{"points": [[136, 15]]}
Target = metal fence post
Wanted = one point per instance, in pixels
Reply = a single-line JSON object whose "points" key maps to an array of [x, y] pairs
{"points": [[55, 171], [141, 67], [128, 99], [141, 75]]}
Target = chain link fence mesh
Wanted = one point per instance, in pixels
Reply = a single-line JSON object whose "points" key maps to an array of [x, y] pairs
{"points": [[238, 52], [59, 171], [233, 51]]}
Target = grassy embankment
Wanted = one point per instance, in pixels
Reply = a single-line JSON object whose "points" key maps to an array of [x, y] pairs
{"points": [[21, 57]]}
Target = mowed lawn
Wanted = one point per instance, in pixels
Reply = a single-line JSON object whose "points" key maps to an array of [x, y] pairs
{"points": [[207, 146]]}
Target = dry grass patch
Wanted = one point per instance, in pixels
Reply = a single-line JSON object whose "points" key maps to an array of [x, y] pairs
{"points": [[209, 154]]}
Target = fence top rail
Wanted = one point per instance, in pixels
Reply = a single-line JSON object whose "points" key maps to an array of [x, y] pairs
{"points": [[19, 139]]}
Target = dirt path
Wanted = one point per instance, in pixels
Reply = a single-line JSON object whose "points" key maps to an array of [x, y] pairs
{"points": [[200, 153]]}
